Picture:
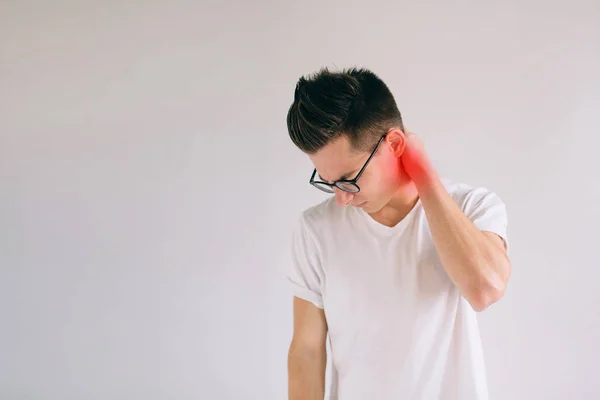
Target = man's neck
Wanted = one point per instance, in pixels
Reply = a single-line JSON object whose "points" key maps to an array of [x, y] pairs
{"points": [[399, 206]]}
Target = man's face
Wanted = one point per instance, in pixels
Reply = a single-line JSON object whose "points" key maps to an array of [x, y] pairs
{"points": [[378, 182]]}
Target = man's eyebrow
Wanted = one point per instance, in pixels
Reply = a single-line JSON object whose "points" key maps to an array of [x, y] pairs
{"points": [[347, 176], [343, 177]]}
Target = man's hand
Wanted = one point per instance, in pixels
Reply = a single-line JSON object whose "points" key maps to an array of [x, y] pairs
{"points": [[416, 163]]}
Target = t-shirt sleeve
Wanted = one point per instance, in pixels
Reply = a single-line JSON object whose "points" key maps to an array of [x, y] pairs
{"points": [[487, 211], [306, 273]]}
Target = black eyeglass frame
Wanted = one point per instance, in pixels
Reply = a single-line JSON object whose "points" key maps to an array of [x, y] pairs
{"points": [[349, 182]]}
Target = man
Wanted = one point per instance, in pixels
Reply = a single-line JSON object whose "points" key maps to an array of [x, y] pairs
{"points": [[395, 266]]}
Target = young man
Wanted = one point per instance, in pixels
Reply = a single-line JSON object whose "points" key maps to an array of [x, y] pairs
{"points": [[395, 266]]}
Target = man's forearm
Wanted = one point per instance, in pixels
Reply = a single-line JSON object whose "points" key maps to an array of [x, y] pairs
{"points": [[306, 374], [478, 267]]}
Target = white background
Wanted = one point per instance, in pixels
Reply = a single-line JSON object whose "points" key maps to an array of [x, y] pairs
{"points": [[148, 186]]}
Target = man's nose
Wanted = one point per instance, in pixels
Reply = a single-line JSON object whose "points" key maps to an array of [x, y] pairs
{"points": [[343, 198]]}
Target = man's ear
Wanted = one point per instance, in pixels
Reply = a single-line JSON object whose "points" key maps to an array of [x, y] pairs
{"points": [[396, 139]]}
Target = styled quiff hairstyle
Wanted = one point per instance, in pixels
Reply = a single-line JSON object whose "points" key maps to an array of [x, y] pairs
{"points": [[352, 102]]}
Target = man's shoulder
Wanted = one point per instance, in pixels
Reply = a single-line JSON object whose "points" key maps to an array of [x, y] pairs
{"points": [[457, 188], [323, 215], [471, 198], [321, 211], [463, 192]]}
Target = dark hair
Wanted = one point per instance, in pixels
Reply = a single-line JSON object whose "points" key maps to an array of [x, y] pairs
{"points": [[353, 102]]}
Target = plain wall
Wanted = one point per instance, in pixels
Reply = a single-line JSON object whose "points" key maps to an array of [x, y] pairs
{"points": [[148, 186]]}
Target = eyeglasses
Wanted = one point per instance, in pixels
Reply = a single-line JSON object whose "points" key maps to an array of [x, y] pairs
{"points": [[346, 185]]}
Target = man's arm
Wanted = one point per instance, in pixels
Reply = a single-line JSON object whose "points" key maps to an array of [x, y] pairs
{"points": [[476, 261], [307, 357]]}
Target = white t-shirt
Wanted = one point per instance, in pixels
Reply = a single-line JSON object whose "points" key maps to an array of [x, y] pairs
{"points": [[398, 327]]}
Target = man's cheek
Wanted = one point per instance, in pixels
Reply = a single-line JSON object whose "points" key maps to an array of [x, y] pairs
{"points": [[391, 168]]}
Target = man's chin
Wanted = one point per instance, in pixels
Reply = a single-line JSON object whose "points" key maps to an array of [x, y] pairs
{"points": [[374, 208], [369, 208], [362, 205]]}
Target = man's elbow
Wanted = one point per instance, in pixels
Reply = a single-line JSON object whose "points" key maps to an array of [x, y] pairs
{"points": [[487, 294], [492, 289], [483, 298]]}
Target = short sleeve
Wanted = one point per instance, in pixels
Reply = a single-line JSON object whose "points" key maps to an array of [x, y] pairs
{"points": [[306, 273], [487, 211]]}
